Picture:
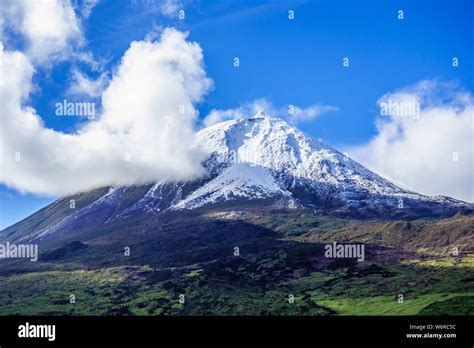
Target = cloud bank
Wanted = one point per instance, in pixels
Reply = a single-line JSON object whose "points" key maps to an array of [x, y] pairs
{"points": [[432, 151], [143, 133]]}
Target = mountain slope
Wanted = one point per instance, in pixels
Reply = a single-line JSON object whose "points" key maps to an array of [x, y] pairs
{"points": [[261, 160]]}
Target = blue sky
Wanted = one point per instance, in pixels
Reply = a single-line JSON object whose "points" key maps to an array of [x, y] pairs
{"points": [[285, 61]]}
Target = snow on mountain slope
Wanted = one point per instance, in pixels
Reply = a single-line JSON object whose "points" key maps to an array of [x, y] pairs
{"points": [[148, 202], [101, 208], [238, 180]]}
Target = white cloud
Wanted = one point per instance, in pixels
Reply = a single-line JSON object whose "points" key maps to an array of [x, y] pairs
{"points": [[298, 114], [419, 151], [171, 7], [82, 85], [168, 8], [148, 117], [292, 113], [87, 6], [50, 27], [246, 110]]}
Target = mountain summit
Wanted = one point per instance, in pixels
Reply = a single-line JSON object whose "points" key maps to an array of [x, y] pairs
{"points": [[259, 161], [263, 157]]}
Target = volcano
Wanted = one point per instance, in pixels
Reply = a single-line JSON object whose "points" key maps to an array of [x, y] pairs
{"points": [[245, 236], [255, 162]]}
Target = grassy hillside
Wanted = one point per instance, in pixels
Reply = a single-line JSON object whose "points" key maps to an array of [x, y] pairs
{"points": [[233, 288], [281, 253]]}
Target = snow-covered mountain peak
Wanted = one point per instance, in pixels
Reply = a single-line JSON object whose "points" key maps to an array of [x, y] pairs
{"points": [[263, 133], [296, 161], [273, 144]]}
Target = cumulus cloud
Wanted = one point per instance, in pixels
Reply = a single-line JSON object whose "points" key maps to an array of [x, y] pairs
{"points": [[426, 140], [142, 135], [50, 28], [292, 113]]}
